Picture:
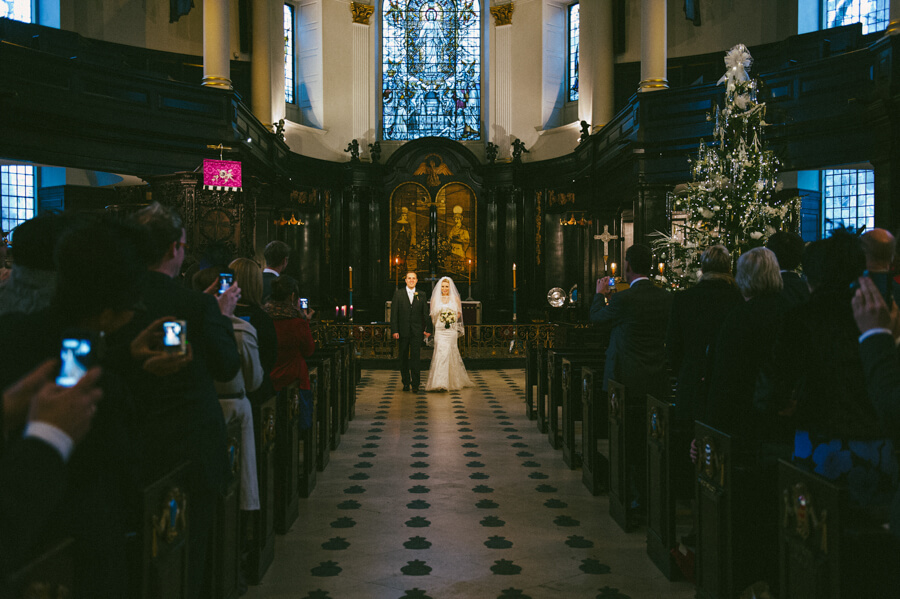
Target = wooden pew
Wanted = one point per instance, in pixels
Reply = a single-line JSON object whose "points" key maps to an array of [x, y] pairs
{"points": [[306, 460], [572, 389], [287, 454], [827, 549], [262, 542], [595, 431], [661, 539], [531, 367], [353, 375], [50, 574], [336, 393], [555, 391], [225, 545], [344, 379], [321, 361], [541, 388], [620, 449], [165, 531]]}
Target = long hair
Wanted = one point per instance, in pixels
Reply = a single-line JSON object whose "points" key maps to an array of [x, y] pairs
{"points": [[248, 276]]}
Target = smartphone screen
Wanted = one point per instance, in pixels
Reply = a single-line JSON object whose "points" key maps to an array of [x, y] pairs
{"points": [[75, 358], [612, 282], [304, 303], [225, 281], [175, 336]]}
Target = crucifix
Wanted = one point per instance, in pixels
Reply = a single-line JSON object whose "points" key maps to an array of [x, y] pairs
{"points": [[606, 237]]}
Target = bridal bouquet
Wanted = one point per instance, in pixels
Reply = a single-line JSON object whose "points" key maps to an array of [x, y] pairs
{"points": [[448, 317]]}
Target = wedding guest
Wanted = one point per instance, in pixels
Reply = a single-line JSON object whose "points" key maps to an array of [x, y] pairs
{"points": [[788, 249], [295, 341], [248, 276], [277, 254]]}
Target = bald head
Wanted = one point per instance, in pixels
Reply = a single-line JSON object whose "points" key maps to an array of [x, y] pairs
{"points": [[878, 246]]}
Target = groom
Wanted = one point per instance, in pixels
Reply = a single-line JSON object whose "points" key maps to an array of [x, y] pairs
{"points": [[409, 320]]}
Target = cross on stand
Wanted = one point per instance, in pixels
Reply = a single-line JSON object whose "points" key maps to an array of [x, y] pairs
{"points": [[606, 237]]}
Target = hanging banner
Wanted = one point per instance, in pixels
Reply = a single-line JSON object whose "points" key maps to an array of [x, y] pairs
{"points": [[222, 175]]}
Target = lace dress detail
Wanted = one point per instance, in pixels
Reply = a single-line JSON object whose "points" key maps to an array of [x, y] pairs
{"points": [[447, 370]]}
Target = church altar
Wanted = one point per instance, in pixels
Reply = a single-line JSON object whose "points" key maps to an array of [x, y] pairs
{"points": [[471, 311]]}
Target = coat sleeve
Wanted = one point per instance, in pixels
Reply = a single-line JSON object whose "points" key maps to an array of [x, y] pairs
{"points": [[610, 313], [304, 334], [251, 368], [223, 360], [882, 370]]}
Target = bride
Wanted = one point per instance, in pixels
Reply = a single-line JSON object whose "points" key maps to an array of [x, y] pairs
{"points": [[447, 369]]}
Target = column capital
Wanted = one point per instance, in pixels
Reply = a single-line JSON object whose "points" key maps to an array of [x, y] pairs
{"points": [[653, 84], [502, 14], [361, 12], [893, 28]]}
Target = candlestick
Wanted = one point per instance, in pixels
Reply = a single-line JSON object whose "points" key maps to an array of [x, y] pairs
{"points": [[514, 276], [470, 271], [397, 275], [613, 269]]}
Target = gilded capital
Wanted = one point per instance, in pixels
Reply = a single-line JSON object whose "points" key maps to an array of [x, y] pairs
{"points": [[502, 14], [361, 12]]}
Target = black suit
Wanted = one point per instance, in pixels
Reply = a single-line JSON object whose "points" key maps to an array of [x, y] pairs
{"points": [[795, 290], [268, 277], [182, 419], [410, 321], [636, 357], [697, 315]]}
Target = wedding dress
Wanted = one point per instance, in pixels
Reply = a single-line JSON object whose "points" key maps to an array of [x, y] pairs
{"points": [[447, 370]]}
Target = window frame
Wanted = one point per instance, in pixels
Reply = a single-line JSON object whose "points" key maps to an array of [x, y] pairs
{"points": [[880, 25], [569, 38], [829, 223], [5, 194], [288, 6], [484, 12]]}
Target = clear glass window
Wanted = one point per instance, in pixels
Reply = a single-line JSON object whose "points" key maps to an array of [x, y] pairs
{"points": [[289, 95], [19, 10], [574, 22], [873, 14], [17, 200], [848, 198]]}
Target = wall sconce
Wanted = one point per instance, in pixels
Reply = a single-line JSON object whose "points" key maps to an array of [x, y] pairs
{"points": [[293, 221], [571, 219]]}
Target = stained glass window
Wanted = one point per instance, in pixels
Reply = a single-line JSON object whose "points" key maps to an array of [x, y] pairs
{"points": [[289, 54], [431, 69], [849, 199], [16, 195], [873, 14], [574, 22], [20, 10]]}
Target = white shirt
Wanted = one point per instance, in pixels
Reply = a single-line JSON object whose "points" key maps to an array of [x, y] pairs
{"points": [[638, 279], [52, 436], [411, 293], [274, 272]]}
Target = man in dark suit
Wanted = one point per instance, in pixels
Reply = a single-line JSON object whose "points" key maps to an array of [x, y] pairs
{"points": [[182, 418], [277, 254], [409, 321], [636, 355], [788, 249]]}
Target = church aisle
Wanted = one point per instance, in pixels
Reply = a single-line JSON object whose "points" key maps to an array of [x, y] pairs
{"points": [[455, 495]]}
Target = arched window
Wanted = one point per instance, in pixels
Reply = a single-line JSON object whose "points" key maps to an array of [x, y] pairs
{"points": [[431, 69]]}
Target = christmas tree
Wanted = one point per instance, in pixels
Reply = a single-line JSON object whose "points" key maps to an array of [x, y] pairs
{"points": [[733, 199]]}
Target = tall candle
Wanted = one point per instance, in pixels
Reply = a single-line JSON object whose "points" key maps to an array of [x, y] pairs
{"points": [[514, 275], [351, 278], [397, 275], [337, 311], [470, 271]]}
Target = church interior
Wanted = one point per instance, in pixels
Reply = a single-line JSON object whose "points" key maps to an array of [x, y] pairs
{"points": [[461, 139]]}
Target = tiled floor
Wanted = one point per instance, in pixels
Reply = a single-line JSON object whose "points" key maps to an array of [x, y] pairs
{"points": [[455, 495]]}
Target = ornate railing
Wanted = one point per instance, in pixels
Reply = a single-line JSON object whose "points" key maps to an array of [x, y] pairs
{"points": [[481, 341]]}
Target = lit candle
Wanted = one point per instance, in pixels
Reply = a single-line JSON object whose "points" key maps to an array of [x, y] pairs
{"points": [[343, 310], [662, 267], [514, 275], [351, 312], [351, 278], [397, 267], [612, 268], [470, 271], [337, 311]]}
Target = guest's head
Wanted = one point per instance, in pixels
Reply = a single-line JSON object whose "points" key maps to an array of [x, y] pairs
{"points": [[277, 254], [100, 269], [834, 263], [205, 278], [758, 273], [878, 247], [788, 248], [638, 262], [285, 289], [167, 238], [36, 239], [248, 276], [715, 259]]}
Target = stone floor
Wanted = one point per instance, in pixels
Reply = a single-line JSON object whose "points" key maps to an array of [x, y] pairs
{"points": [[455, 495]]}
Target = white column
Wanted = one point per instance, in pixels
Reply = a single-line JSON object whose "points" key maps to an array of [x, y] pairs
{"points": [[362, 84], [653, 45], [216, 44], [501, 121], [260, 62], [893, 27], [596, 98]]}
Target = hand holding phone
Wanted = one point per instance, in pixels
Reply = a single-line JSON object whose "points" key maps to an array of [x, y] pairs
{"points": [[304, 303], [76, 356], [225, 281], [175, 336]]}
